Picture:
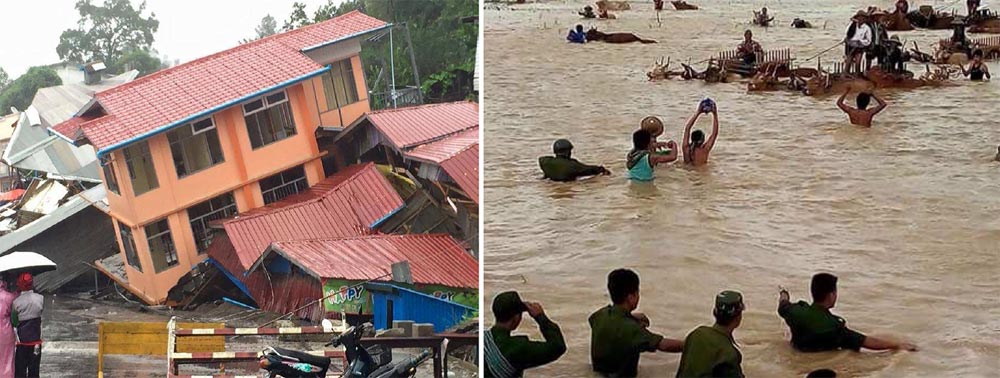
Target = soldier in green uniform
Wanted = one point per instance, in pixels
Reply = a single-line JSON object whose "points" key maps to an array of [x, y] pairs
{"points": [[508, 356], [564, 168], [711, 351], [618, 334], [815, 329]]}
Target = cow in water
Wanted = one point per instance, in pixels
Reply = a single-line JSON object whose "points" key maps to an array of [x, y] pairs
{"points": [[594, 35]]}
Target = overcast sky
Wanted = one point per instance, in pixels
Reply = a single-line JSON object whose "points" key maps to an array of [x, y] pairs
{"points": [[188, 30]]}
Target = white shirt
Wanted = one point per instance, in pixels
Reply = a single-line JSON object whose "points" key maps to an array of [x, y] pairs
{"points": [[863, 34]]}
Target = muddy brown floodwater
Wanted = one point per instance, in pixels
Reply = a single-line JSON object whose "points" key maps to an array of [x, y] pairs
{"points": [[907, 213]]}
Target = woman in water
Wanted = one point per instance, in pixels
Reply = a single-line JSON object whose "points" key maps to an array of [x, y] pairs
{"points": [[643, 157], [696, 148], [977, 69]]}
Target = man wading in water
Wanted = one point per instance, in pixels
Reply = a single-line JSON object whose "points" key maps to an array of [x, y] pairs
{"points": [[711, 351], [564, 168], [815, 329], [618, 334], [696, 148], [508, 356], [861, 116]]}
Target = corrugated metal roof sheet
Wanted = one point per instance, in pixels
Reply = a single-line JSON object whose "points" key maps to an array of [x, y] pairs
{"points": [[175, 94], [348, 203], [444, 149], [433, 259], [416, 125], [464, 169], [458, 155]]}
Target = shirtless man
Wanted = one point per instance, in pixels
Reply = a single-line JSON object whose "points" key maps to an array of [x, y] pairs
{"points": [[861, 116], [696, 148]]}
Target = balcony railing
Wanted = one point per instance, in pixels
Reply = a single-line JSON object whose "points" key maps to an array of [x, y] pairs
{"points": [[275, 194], [406, 96]]}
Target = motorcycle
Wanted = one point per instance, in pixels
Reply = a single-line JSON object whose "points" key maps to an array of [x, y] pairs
{"points": [[372, 362]]}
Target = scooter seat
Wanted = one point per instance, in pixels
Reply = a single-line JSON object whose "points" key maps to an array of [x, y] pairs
{"points": [[320, 361]]}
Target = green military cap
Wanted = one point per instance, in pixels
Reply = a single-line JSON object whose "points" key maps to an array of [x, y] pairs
{"points": [[508, 304], [729, 302]]}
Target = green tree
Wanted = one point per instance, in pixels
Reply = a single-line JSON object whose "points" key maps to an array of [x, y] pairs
{"points": [[107, 32], [4, 79], [145, 61], [20, 92], [268, 26], [444, 46], [298, 18]]}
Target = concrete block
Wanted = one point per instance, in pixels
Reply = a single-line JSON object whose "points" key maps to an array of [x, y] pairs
{"points": [[406, 325], [423, 330]]}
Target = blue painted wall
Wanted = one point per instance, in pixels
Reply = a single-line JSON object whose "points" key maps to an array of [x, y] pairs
{"points": [[418, 307]]}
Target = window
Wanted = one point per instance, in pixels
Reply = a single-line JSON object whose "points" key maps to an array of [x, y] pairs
{"points": [[283, 184], [269, 119], [201, 214], [195, 146], [140, 168], [161, 245], [110, 179], [339, 85], [128, 243]]}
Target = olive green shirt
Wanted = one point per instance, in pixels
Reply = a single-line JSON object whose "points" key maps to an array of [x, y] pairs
{"points": [[525, 354], [616, 340], [565, 169], [815, 329], [710, 352]]}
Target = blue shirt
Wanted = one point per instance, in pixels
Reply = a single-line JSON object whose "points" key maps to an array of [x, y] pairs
{"points": [[639, 167], [576, 37]]}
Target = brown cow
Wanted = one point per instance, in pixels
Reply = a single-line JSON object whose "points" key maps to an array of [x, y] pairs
{"points": [[594, 35]]}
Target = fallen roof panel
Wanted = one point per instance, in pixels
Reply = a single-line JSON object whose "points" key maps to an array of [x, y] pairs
{"points": [[433, 259]]}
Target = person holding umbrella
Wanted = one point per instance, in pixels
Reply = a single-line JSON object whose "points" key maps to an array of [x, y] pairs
{"points": [[28, 306]]}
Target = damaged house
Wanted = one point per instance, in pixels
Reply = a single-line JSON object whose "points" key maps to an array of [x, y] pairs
{"points": [[56, 186], [208, 163], [437, 146]]}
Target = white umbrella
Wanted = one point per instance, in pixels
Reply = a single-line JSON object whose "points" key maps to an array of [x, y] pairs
{"points": [[26, 262]]}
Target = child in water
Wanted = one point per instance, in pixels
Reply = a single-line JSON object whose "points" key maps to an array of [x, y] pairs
{"points": [[644, 156], [696, 148]]}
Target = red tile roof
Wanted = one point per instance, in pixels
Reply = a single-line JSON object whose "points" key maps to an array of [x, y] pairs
{"points": [[433, 259], [416, 125], [348, 203], [458, 155], [147, 105]]}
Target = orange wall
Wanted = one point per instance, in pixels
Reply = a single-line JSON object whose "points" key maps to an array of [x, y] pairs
{"points": [[239, 173]]}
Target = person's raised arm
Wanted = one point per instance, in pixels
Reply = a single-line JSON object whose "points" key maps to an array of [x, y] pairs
{"points": [[537, 353], [840, 101], [875, 343], [881, 105], [655, 158], [715, 129], [784, 302], [670, 345], [987, 72], [687, 130]]}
